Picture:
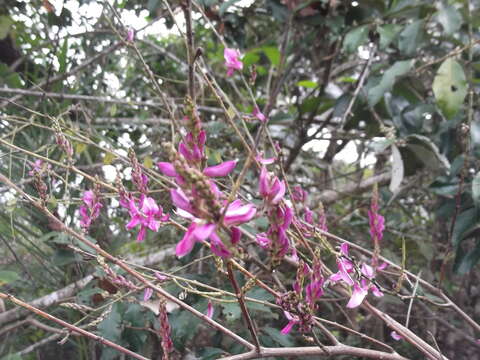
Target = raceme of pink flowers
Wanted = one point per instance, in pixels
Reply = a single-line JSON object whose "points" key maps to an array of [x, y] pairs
{"points": [[91, 210], [360, 288], [236, 213], [232, 61], [147, 214]]}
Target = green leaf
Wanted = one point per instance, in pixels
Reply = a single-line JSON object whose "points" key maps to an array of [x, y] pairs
{"points": [[387, 34], [5, 24], [224, 7], [307, 84], [376, 93], [450, 87], [273, 54], [450, 18], [397, 169], [62, 56], [231, 311], [7, 277], [355, 38], [411, 37], [426, 151], [464, 262], [278, 337], [463, 224], [110, 327], [250, 58]]}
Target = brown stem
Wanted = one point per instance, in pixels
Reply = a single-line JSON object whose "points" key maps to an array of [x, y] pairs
{"points": [[243, 306], [71, 327], [316, 351], [187, 10]]}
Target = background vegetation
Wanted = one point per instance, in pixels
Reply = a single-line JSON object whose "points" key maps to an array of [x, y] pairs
{"points": [[356, 93]]}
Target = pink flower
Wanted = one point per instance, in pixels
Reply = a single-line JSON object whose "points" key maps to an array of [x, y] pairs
{"points": [[292, 321], [91, 210], [130, 35], [210, 309], [222, 169], [359, 293], [270, 187], [219, 170], [37, 167], [395, 336], [147, 215], [236, 214], [258, 114], [147, 294], [231, 60]]}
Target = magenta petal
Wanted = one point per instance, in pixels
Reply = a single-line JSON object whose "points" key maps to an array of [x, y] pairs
{"points": [[279, 191], [222, 169], [217, 246], [203, 232], [239, 215], [167, 168], [180, 200], [367, 271], [263, 184], [344, 249], [183, 149], [210, 309], [395, 336], [186, 244], [141, 234], [358, 295], [133, 222], [147, 294], [236, 235], [288, 328]]}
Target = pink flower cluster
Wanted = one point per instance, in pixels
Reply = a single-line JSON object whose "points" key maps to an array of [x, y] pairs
{"points": [[187, 197], [146, 213], [301, 313], [90, 210], [280, 216], [360, 287]]}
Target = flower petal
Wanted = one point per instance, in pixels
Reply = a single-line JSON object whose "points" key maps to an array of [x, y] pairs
{"points": [[167, 168], [186, 244], [358, 295], [222, 169]]}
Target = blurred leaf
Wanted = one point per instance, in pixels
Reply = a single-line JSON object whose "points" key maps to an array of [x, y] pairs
{"points": [[411, 37], [62, 56], [231, 311], [148, 162], [465, 261], [427, 152], [5, 24], [307, 84], [250, 58], [450, 87], [387, 34], [211, 353], [400, 68], [80, 147], [397, 169], [110, 327], [450, 18], [355, 38], [281, 339], [108, 158], [463, 223], [273, 54], [7, 277]]}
